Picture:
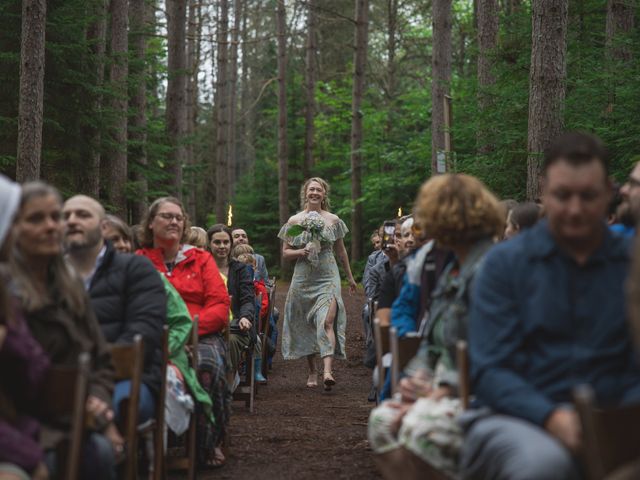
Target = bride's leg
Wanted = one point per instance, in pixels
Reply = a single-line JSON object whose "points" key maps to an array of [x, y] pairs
{"points": [[327, 360], [312, 381]]}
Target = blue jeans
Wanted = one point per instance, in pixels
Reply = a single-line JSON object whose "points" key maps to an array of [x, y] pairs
{"points": [[97, 460], [146, 403]]}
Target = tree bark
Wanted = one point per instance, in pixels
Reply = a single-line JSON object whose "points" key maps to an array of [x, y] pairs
{"points": [[547, 83], [233, 94], [310, 89], [116, 171], [138, 121], [176, 114], [359, 64], [392, 42], [487, 14], [222, 97], [283, 165], [620, 21], [441, 73], [193, 63], [96, 37], [31, 90]]}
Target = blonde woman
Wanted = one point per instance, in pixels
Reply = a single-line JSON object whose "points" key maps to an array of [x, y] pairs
{"points": [[314, 316]]}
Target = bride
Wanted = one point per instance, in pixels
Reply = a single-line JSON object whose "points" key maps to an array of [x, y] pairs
{"points": [[314, 314]]}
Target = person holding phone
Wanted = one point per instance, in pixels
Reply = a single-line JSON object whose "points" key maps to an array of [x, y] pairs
{"points": [[314, 317]]}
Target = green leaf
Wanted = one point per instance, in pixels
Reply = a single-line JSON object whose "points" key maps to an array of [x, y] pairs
{"points": [[294, 230]]}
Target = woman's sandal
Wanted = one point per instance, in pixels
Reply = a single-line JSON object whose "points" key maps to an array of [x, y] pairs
{"points": [[217, 461], [328, 380], [312, 383]]}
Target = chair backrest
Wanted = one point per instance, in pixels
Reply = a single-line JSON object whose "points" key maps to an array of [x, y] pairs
{"points": [[128, 361], [56, 404], [381, 339], [258, 305], [462, 359], [194, 342], [402, 351], [611, 438]]}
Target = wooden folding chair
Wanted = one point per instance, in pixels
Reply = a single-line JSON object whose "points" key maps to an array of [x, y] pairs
{"points": [[56, 403], [188, 461], [381, 338], [128, 361], [462, 359], [402, 351], [611, 439], [246, 390], [267, 329], [155, 426]]}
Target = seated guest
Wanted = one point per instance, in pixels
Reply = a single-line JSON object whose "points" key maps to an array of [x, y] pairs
{"points": [[126, 294], [460, 214], [376, 240], [548, 314], [260, 290], [118, 233], [195, 276], [198, 238], [239, 237], [240, 286], [522, 216], [23, 366], [59, 314]]}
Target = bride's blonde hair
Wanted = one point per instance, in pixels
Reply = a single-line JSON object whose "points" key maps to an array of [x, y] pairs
{"points": [[326, 204]]}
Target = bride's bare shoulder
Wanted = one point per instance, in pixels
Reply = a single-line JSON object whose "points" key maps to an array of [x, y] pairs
{"points": [[330, 217]]}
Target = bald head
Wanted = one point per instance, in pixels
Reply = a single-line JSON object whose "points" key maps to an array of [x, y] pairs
{"points": [[82, 224]]}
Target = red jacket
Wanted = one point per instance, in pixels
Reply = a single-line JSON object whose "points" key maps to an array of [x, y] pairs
{"points": [[260, 288], [196, 278]]}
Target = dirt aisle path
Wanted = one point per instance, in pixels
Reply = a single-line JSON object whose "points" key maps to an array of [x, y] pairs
{"points": [[299, 433]]}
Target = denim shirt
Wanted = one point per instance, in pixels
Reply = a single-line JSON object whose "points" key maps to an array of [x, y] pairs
{"points": [[540, 324]]}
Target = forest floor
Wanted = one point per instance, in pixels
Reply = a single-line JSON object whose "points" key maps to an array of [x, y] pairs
{"points": [[301, 433]]}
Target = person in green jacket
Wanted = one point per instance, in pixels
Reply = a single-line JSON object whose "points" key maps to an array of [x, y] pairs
{"points": [[179, 321]]}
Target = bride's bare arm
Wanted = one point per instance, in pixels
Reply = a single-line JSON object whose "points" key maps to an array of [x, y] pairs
{"points": [[290, 253], [341, 252]]}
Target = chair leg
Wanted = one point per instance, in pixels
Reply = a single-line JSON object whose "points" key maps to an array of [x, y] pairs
{"points": [[158, 455], [191, 447]]}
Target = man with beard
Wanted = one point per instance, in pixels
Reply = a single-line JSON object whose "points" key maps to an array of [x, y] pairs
{"points": [[126, 292], [239, 237]]}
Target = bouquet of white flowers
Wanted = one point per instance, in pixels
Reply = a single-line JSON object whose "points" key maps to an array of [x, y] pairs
{"points": [[313, 224]]}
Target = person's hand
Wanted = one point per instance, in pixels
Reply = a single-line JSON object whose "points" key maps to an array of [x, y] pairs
{"points": [[3, 335], [244, 324], [392, 253], [304, 252], [98, 408], [41, 472], [412, 388], [564, 424], [113, 435], [353, 286]]}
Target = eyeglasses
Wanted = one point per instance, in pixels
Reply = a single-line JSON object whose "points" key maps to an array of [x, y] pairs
{"points": [[170, 216]]}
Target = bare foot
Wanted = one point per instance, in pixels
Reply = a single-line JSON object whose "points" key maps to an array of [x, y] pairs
{"points": [[312, 381]]}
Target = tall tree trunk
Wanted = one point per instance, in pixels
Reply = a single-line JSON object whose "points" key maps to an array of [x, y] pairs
{"points": [[359, 65], [283, 164], [547, 78], [116, 171], [245, 99], [391, 87], [193, 60], [487, 43], [310, 89], [96, 37], [233, 93], [30, 105], [177, 91], [441, 76], [222, 97], [138, 101], [620, 21]]}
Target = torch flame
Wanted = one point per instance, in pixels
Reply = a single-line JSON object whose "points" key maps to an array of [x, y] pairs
{"points": [[230, 216], [399, 212]]}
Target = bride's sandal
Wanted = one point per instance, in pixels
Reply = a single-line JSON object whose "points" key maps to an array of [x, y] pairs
{"points": [[312, 381], [328, 380]]}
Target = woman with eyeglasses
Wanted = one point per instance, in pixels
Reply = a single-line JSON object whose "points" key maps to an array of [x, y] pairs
{"points": [[195, 276], [239, 278]]}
